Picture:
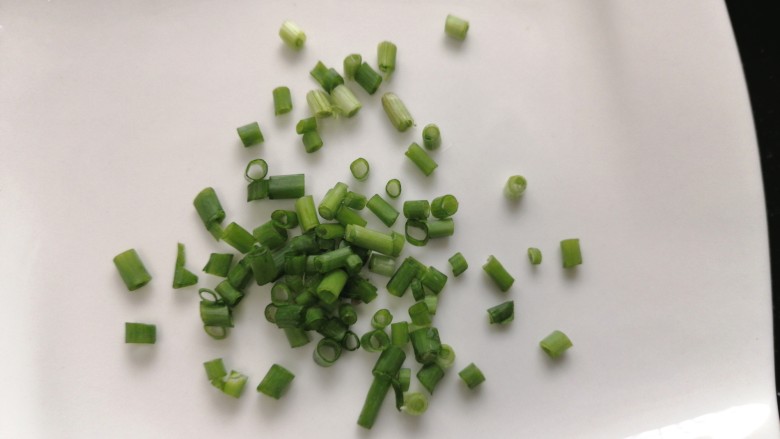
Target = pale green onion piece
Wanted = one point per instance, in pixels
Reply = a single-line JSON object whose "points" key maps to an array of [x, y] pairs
{"points": [[282, 100], [345, 101], [306, 125], [319, 103], [555, 344], [446, 356], [472, 376], [359, 168], [351, 64], [498, 273], [292, 35], [140, 333], [431, 136], [256, 169], [421, 159], [534, 255], [234, 384], [396, 111], [415, 403], [386, 53], [570, 250], [393, 188], [456, 27], [250, 134], [515, 186]]}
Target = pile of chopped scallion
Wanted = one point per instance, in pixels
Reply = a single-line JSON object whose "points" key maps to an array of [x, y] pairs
{"points": [[315, 277]]}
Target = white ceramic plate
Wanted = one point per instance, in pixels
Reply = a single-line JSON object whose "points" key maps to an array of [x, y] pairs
{"points": [[629, 119]]}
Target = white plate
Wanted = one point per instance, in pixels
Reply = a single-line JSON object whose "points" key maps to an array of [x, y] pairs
{"points": [[629, 119]]}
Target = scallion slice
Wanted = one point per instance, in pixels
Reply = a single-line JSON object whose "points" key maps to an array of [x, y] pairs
{"points": [[257, 190], [312, 142], [498, 273], [570, 250], [405, 378], [234, 384], [371, 239], [429, 376], [140, 333], [345, 101], [292, 35], [444, 206], [393, 188], [515, 186], [421, 159], [131, 269], [359, 169], [472, 376], [368, 78], [331, 286], [218, 264], [351, 64], [181, 276], [420, 314], [555, 344], [409, 269], [534, 255], [446, 356], [307, 213], [228, 293], [441, 228], [431, 136], [282, 100], [286, 187], [270, 235], [354, 200], [275, 381], [250, 134], [255, 170], [458, 264], [502, 313], [330, 231], [306, 125], [319, 103], [210, 211], [238, 238], [327, 352], [351, 341], [381, 319], [285, 219], [415, 404], [397, 113], [416, 232], [215, 369], [386, 53], [382, 209], [375, 340], [332, 201], [385, 370], [456, 27], [381, 264]]}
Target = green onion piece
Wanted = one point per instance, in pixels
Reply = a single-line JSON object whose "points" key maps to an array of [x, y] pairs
{"points": [[315, 317], [444, 206], [382, 209], [370, 239], [285, 219], [319, 103], [347, 216], [368, 78], [181, 276], [570, 250], [418, 292], [345, 101], [420, 314], [434, 280], [359, 169], [347, 314], [334, 329], [446, 356], [393, 188], [263, 265], [441, 228], [329, 79], [417, 209], [458, 264], [256, 169], [456, 27], [555, 344], [332, 201], [283, 187], [234, 384], [140, 333], [409, 269], [332, 260], [405, 378], [270, 235], [375, 340], [270, 313], [353, 264], [515, 186], [430, 375], [327, 352], [360, 289], [257, 190], [416, 232], [534, 255], [229, 294], [386, 52], [381, 319], [399, 334], [289, 315], [329, 231], [217, 333], [331, 285], [498, 273], [250, 134], [431, 136], [210, 211], [307, 213], [295, 282], [432, 302], [502, 313], [296, 337], [351, 64], [312, 142], [421, 159], [215, 369], [385, 370], [415, 403], [381, 264], [292, 35], [326, 244], [351, 341], [219, 264], [214, 313], [275, 381], [238, 238], [472, 376], [355, 200], [398, 114], [240, 275], [281, 294], [426, 343], [305, 125], [131, 269], [282, 100]]}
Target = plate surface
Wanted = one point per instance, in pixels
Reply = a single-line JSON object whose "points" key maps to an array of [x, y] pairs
{"points": [[629, 119]]}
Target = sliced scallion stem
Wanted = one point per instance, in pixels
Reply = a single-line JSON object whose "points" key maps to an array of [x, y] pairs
{"points": [[281, 294], [290, 315], [234, 384], [307, 213], [472, 376], [292, 35], [446, 356], [426, 344], [332, 260], [347, 216], [399, 334], [420, 314], [498, 273], [555, 344], [375, 340], [131, 269], [429, 376], [515, 186], [359, 169], [417, 209], [421, 159], [250, 134], [282, 100], [415, 404], [275, 381], [296, 337], [382, 209], [327, 352], [285, 187], [534, 255], [331, 286], [368, 78], [370, 239], [381, 264], [386, 53], [345, 101], [397, 112], [570, 250], [347, 314], [351, 341], [285, 219], [315, 317], [456, 27], [140, 333], [264, 267], [444, 206], [332, 201], [329, 79], [306, 125], [409, 269], [393, 188], [405, 378], [238, 238], [458, 264], [333, 328], [361, 289], [418, 291], [240, 274], [432, 302], [319, 103], [218, 264], [228, 293], [215, 369], [210, 211], [256, 169], [502, 313], [270, 235], [330, 231], [385, 370], [355, 200], [381, 319], [416, 232], [257, 190], [441, 228], [431, 136], [351, 64]]}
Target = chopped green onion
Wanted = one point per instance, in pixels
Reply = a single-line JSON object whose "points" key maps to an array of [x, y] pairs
{"points": [[332, 201], [347, 216], [353, 264], [570, 249], [382, 209], [385, 370], [399, 334], [415, 403], [347, 314], [307, 213], [534, 255], [285, 219], [281, 294], [345, 101], [140, 333], [219, 264], [426, 343], [334, 329], [456, 27], [257, 190], [355, 200], [420, 314], [444, 206], [458, 264], [250, 134], [397, 113], [332, 260], [292, 35], [351, 64], [417, 209], [289, 315], [386, 52], [381, 319], [270, 235], [314, 318], [256, 169], [472, 376], [409, 269], [381, 264], [215, 369], [131, 269], [241, 273], [330, 231], [238, 238], [502, 313], [359, 169], [446, 356], [418, 292], [421, 159], [282, 100], [210, 211], [329, 79], [375, 340], [331, 285], [430, 375], [498, 273], [351, 341], [295, 264], [555, 344], [229, 294], [234, 384], [371, 239], [393, 188], [515, 186], [416, 232], [405, 378], [431, 136], [368, 78], [327, 352], [319, 103], [285, 187], [296, 337], [432, 302], [441, 228], [217, 333], [263, 265], [270, 313], [360, 289], [275, 381], [305, 125]]}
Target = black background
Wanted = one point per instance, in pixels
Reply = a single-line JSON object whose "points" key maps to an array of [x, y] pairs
{"points": [[757, 30]]}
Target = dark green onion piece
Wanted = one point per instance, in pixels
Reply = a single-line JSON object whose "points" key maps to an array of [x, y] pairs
{"points": [[347, 216], [381, 264], [446, 356], [498, 273], [331, 285], [456, 27], [257, 190], [234, 384], [351, 64], [263, 265], [295, 282], [351, 341], [285, 219], [415, 403], [359, 169], [307, 213], [327, 352], [409, 269], [214, 313], [131, 269], [372, 240], [312, 142], [292, 35], [282, 100], [250, 134], [210, 211], [441, 228], [386, 52], [270, 235], [215, 369], [229, 294], [430, 375], [399, 334], [405, 378], [555, 344], [458, 264], [275, 381], [360, 289], [347, 314], [383, 210], [381, 319], [334, 329], [444, 206], [256, 169], [332, 260], [534, 255], [418, 292], [344, 101], [319, 103], [353, 264], [426, 343], [306, 298], [181, 276], [375, 340], [240, 274], [305, 125], [420, 314], [296, 337], [281, 294], [329, 79], [393, 188], [330, 231], [332, 201], [315, 317], [219, 264], [416, 232], [238, 238], [368, 78], [472, 376], [431, 136], [286, 186], [355, 200], [385, 370], [432, 302], [434, 280], [417, 209], [290, 316], [515, 186], [502, 313], [140, 333], [421, 159], [398, 114], [570, 250]]}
